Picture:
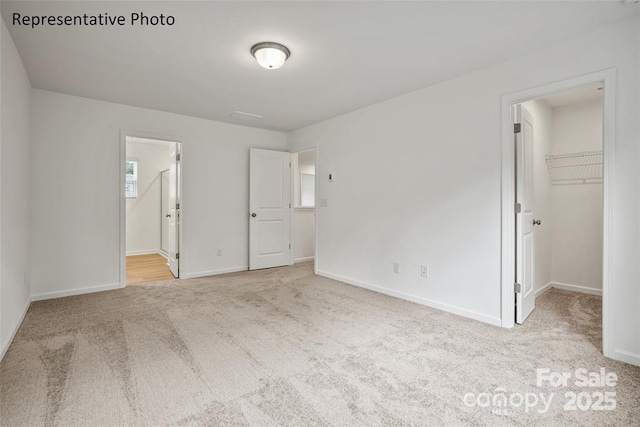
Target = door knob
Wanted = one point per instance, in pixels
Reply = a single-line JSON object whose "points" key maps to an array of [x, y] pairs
{"points": [[254, 215], [537, 222], [167, 216]]}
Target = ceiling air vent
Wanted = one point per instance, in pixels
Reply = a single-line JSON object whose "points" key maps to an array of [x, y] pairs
{"points": [[244, 117]]}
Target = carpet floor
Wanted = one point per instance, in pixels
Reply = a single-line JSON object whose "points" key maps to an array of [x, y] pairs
{"points": [[285, 347]]}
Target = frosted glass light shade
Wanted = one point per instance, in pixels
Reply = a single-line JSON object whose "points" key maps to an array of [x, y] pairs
{"points": [[270, 55]]}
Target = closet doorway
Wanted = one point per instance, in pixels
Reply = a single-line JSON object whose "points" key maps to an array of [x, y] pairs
{"points": [[558, 148], [559, 196]]}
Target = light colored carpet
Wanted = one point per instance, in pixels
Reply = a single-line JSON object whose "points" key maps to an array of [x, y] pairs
{"points": [[285, 347]]}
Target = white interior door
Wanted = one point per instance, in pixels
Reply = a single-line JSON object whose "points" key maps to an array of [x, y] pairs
{"points": [[524, 287], [173, 232], [269, 209]]}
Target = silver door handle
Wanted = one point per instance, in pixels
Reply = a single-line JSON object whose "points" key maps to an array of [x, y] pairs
{"points": [[167, 216], [537, 222], [254, 215]]}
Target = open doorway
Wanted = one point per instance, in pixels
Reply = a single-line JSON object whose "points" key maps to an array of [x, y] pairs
{"points": [[304, 197], [151, 193], [559, 176], [558, 146]]}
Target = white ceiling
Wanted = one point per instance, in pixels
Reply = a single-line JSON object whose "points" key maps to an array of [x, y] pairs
{"points": [[575, 96], [344, 55]]}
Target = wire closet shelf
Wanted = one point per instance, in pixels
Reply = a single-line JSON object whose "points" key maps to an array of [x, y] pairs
{"points": [[584, 167]]}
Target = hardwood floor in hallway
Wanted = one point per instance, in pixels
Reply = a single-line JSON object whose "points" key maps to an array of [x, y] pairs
{"points": [[143, 269]]}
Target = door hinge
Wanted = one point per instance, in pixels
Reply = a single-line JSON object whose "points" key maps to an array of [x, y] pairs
{"points": [[517, 288], [289, 165], [178, 157], [518, 208], [289, 245], [177, 255], [517, 128], [289, 205], [177, 205]]}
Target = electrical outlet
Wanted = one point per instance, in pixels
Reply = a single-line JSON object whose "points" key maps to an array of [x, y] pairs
{"points": [[219, 253], [396, 267], [424, 270]]}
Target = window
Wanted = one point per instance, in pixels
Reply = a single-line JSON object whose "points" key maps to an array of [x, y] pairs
{"points": [[131, 180]]}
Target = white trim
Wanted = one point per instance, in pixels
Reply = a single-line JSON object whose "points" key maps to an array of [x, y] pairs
{"points": [[6, 346], [124, 133], [544, 289], [413, 298], [315, 217], [608, 78], [146, 252], [77, 291], [303, 259], [609, 145], [292, 209], [576, 288], [626, 356], [215, 272]]}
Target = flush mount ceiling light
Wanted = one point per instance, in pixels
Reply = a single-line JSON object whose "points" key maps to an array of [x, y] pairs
{"points": [[270, 55]]}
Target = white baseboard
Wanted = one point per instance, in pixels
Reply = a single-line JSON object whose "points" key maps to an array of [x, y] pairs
{"points": [[6, 346], [77, 291], [575, 288], [214, 272], [303, 259], [146, 252], [419, 300], [544, 289], [626, 356]]}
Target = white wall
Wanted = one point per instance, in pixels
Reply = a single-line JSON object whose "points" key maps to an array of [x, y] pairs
{"points": [[542, 117], [76, 190], [304, 234], [143, 213], [15, 91], [577, 209], [577, 127], [426, 168]]}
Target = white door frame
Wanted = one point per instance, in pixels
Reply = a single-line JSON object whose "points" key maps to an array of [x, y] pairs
{"points": [[315, 208], [292, 211], [608, 78], [124, 133], [315, 217]]}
